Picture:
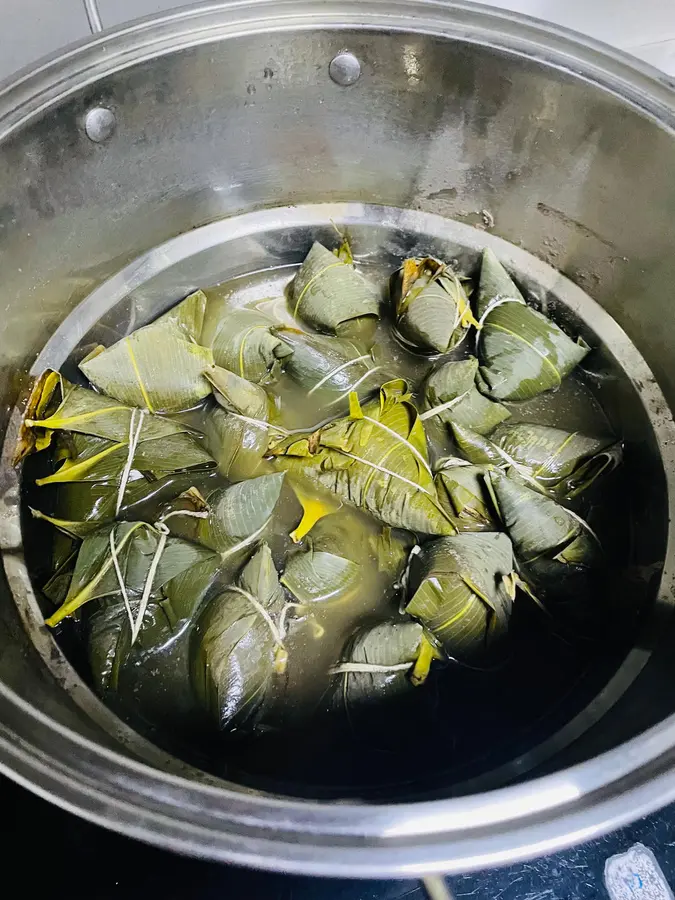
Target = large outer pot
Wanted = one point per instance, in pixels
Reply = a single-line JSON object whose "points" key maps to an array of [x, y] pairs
{"points": [[224, 109]]}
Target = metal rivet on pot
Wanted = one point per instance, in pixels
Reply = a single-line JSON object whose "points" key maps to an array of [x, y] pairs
{"points": [[344, 68], [99, 124]]}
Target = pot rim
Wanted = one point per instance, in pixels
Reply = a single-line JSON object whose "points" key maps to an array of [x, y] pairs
{"points": [[320, 838]]}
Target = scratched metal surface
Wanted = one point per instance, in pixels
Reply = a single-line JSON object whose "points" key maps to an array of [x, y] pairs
{"points": [[83, 861]]}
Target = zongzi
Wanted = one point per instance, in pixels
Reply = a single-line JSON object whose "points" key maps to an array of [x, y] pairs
{"points": [[381, 662], [431, 308], [330, 368], [539, 527], [239, 649], [237, 432], [345, 552], [451, 395], [522, 352], [242, 340], [462, 590], [463, 495], [129, 558], [562, 463], [376, 458], [328, 292], [159, 367], [229, 519]]}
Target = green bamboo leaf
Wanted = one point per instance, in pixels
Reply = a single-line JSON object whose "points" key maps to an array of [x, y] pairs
{"points": [[494, 283], [477, 448], [522, 352], [242, 340], [462, 494], [238, 651], [151, 678], [450, 395], [377, 664], [431, 307], [87, 458], [238, 446], [376, 459], [73, 527], [94, 575], [330, 368], [561, 463], [317, 576], [462, 592], [565, 463], [236, 394], [86, 412], [178, 556], [539, 527], [233, 517], [137, 555], [158, 367], [328, 292], [237, 432]]}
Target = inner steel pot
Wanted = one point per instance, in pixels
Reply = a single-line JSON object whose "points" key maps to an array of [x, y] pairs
{"points": [[458, 113]]}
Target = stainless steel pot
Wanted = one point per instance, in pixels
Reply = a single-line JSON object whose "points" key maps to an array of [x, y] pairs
{"points": [[554, 142]]}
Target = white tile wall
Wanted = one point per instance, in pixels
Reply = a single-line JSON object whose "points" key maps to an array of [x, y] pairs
{"points": [[31, 28], [623, 23]]}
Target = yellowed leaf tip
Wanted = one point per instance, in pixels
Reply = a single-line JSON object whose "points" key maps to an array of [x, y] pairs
{"points": [[355, 411], [313, 509]]}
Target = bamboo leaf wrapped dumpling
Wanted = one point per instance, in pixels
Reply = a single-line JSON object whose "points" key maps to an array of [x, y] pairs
{"points": [[344, 552], [451, 395], [109, 456], [82, 457], [150, 675], [381, 663], [243, 340], [87, 412], [230, 518], [562, 463], [238, 648], [522, 352], [231, 521], [328, 293], [158, 367], [462, 591], [150, 678], [144, 559], [431, 308], [80, 507], [539, 527], [376, 459], [237, 431], [182, 576], [462, 493], [329, 368]]}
